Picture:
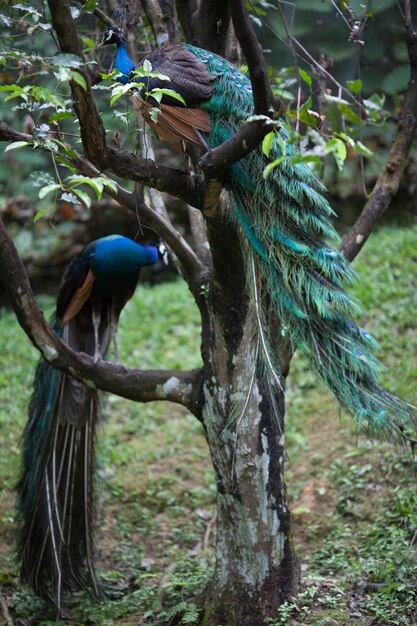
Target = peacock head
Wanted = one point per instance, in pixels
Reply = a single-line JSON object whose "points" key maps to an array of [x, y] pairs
{"points": [[114, 35]]}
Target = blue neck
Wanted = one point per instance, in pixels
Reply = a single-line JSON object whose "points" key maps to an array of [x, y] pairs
{"points": [[123, 63]]}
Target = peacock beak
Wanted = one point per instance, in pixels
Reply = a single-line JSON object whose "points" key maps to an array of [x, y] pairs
{"points": [[163, 253], [106, 39]]}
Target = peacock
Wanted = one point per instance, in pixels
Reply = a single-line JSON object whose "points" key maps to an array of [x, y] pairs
{"points": [[284, 220], [55, 493]]}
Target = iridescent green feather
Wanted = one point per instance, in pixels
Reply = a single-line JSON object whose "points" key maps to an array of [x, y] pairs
{"points": [[286, 219]]}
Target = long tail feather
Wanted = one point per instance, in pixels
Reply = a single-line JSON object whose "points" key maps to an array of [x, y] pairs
{"points": [[55, 502], [285, 219]]}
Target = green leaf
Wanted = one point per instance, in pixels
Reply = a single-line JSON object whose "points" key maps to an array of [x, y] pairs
{"points": [[119, 90], [346, 138], [10, 88], [304, 158], [48, 189], [90, 5], [62, 115], [89, 43], [375, 102], [306, 77], [147, 66], [338, 148], [79, 79], [41, 94], [95, 183], [26, 8], [63, 74], [346, 110], [282, 144], [16, 91], [354, 86], [60, 159], [304, 115], [166, 92], [67, 60], [359, 147], [110, 184], [113, 75], [17, 144], [40, 214], [154, 114], [84, 197], [271, 166], [67, 149], [267, 143], [156, 96]]}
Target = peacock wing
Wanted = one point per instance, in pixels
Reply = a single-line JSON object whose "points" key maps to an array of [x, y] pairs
{"points": [[75, 278], [173, 123], [78, 299], [188, 76]]}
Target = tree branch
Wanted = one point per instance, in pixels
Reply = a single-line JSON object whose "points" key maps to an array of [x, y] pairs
{"points": [[216, 161], [198, 230], [262, 93], [389, 180], [161, 16], [178, 386]]}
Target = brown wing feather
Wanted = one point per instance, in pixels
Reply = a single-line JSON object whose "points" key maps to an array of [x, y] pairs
{"points": [[197, 117], [79, 298], [176, 124]]}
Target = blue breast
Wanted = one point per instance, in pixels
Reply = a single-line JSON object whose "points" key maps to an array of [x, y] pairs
{"points": [[123, 63], [116, 262]]}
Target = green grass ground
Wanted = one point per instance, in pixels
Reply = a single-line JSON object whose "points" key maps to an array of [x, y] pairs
{"points": [[354, 503]]}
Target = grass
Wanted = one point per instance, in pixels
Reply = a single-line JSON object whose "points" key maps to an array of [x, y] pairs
{"points": [[354, 503]]}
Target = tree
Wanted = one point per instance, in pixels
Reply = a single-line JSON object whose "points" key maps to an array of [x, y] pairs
{"points": [[256, 566]]}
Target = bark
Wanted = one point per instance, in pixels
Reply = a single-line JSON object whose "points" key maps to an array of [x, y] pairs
{"points": [[256, 568], [205, 24]]}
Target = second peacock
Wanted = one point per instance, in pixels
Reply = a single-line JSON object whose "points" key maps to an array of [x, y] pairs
{"points": [[55, 503]]}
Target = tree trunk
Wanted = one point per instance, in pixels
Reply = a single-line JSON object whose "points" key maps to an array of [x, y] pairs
{"points": [[256, 568]]}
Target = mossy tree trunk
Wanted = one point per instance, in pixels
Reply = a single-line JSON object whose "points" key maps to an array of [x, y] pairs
{"points": [[256, 568]]}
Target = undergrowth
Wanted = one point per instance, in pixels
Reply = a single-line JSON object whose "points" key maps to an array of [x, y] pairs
{"points": [[354, 503]]}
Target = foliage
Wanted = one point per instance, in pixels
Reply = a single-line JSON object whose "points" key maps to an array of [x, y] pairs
{"points": [[36, 83]]}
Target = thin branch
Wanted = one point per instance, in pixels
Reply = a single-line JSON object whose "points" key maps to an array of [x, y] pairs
{"points": [[389, 180], [106, 19], [177, 386], [407, 15], [312, 60]]}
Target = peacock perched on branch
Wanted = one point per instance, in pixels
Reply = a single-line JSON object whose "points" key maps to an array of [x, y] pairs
{"points": [[284, 219], [55, 504]]}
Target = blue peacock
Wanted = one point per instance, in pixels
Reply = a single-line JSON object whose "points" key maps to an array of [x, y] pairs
{"points": [[284, 220], [55, 503]]}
